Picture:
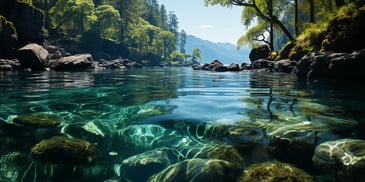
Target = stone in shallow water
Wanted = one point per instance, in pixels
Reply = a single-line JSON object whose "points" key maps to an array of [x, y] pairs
{"points": [[12, 166], [149, 162], [274, 171], [38, 120], [346, 157], [199, 170], [63, 150]]}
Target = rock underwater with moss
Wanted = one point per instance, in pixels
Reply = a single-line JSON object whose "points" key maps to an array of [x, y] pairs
{"points": [[38, 120], [274, 171], [63, 150]]}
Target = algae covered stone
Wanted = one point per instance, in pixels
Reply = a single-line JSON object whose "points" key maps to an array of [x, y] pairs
{"points": [[199, 170], [344, 157], [38, 120], [63, 150], [274, 171]]}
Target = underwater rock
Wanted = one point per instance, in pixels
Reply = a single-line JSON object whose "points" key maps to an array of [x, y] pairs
{"points": [[92, 131], [32, 56], [74, 62], [345, 157], [222, 152], [13, 165], [246, 136], [38, 120], [63, 150], [149, 162], [199, 170], [274, 171], [140, 138], [288, 151]]}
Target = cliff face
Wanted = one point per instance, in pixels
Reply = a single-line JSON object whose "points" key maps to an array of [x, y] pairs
{"points": [[8, 38], [28, 21]]}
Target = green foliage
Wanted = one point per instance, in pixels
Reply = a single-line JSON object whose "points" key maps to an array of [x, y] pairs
{"points": [[253, 36], [72, 15], [177, 56], [108, 22], [196, 55]]}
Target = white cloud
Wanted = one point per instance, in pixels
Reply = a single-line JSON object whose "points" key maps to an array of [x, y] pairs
{"points": [[206, 26]]}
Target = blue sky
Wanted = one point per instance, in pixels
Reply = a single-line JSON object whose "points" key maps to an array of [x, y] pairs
{"points": [[214, 23]]}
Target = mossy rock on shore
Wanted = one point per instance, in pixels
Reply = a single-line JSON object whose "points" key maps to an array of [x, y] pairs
{"points": [[345, 33], [63, 150], [38, 120]]}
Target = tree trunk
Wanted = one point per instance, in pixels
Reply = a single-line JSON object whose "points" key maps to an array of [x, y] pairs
{"points": [[273, 19], [340, 3], [296, 18], [271, 14], [311, 11]]}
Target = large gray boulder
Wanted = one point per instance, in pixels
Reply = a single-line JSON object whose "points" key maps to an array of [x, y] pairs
{"points": [[331, 65], [344, 157], [33, 56], [75, 62]]}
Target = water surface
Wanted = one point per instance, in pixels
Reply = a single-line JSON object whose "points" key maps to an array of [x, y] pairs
{"points": [[176, 101]]}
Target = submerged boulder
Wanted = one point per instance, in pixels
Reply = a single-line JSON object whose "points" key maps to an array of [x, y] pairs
{"points": [[345, 157], [63, 150], [38, 120], [274, 171], [33, 56], [150, 162], [199, 170], [75, 62]]}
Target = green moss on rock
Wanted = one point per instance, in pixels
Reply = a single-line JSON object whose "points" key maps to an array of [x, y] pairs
{"points": [[274, 171], [63, 150], [38, 120], [345, 32]]}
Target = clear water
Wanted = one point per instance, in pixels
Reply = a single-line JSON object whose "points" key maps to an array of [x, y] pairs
{"points": [[174, 104]]}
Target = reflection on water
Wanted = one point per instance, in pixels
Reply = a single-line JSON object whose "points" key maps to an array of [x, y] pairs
{"points": [[175, 113]]}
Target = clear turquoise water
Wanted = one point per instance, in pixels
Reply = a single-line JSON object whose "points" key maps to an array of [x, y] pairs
{"points": [[278, 104]]}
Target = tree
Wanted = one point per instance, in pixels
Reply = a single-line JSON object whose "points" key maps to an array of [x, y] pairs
{"points": [[168, 42], [72, 14], [173, 23], [196, 55], [163, 15], [261, 8], [108, 22], [177, 56], [182, 41]]}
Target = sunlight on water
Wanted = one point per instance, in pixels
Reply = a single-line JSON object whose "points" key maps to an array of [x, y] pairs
{"points": [[153, 118]]}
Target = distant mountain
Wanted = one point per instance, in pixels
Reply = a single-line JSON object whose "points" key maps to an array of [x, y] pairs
{"points": [[224, 52]]}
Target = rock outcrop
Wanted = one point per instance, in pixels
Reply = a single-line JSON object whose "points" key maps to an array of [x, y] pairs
{"points": [[216, 65], [9, 65], [75, 62], [261, 52], [327, 65], [33, 56], [28, 21], [8, 38]]}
